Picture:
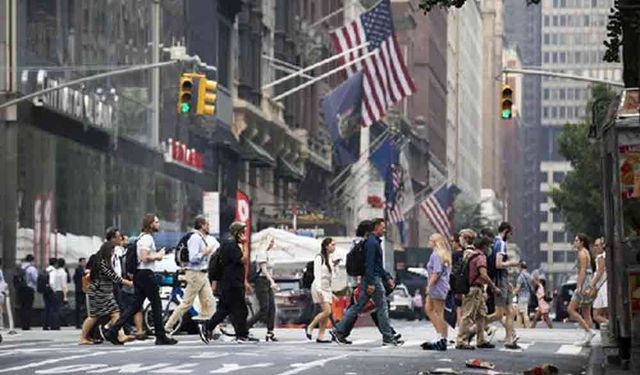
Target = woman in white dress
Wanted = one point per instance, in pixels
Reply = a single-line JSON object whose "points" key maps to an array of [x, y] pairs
{"points": [[321, 289], [599, 284]]}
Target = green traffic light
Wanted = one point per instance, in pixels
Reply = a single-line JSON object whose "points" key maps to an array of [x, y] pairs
{"points": [[185, 108], [506, 114]]}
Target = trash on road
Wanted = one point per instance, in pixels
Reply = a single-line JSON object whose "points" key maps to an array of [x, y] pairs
{"points": [[478, 363], [439, 371], [545, 369]]}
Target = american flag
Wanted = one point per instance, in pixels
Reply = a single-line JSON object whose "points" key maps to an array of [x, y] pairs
{"points": [[394, 208], [386, 77], [439, 208]]}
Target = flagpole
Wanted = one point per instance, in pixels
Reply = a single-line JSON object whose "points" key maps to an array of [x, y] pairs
{"points": [[325, 61], [325, 75]]}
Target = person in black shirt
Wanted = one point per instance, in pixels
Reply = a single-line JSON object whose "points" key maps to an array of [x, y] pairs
{"points": [[80, 297], [232, 287]]}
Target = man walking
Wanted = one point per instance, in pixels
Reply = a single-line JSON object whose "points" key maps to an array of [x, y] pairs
{"points": [[80, 295], [196, 275], [145, 284], [232, 285], [503, 301], [44, 287], [25, 282], [373, 286], [474, 307]]}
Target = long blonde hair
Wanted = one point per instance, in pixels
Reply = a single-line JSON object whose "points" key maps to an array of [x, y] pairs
{"points": [[441, 248]]}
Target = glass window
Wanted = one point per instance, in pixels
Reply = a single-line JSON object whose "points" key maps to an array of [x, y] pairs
{"points": [[555, 20], [571, 256], [563, 57], [558, 217], [546, 112], [559, 237], [554, 112], [558, 256], [586, 21], [544, 217], [546, 20], [546, 93], [554, 57], [563, 20], [546, 57], [546, 38], [542, 236], [563, 113], [570, 112], [562, 94]]}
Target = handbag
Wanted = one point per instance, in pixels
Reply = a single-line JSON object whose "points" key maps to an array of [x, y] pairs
{"points": [[86, 280]]}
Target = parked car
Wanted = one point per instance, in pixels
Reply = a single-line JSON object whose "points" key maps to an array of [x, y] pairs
{"points": [[401, 305], [562, 298], [292, 302]]}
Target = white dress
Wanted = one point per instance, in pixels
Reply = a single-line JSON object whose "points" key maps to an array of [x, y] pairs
{"points": [[601, 301], [321, 287]]}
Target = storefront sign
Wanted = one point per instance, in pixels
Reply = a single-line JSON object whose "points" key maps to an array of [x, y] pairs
{"points": [[629, 171], [178, 153], [90, 108]]}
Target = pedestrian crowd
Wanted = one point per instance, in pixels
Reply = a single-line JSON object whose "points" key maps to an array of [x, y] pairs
{"points": [[468, 274]]}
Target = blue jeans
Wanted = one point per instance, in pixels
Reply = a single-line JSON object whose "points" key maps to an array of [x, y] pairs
{"points": [[382, 311]]}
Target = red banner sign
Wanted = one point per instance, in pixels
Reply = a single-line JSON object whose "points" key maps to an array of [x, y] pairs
{"points": [[243, 214]]}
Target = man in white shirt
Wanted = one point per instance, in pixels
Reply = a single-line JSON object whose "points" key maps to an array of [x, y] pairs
{"points": [[58, 284], [145, 283], [200, 249]]}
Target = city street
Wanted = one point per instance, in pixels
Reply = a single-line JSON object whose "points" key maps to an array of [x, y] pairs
{"points": [[56, 353]]}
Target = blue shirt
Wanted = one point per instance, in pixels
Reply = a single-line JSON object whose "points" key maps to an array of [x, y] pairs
{"points": [[196, 245], [32, 275], [500, 249], [373, 266]]}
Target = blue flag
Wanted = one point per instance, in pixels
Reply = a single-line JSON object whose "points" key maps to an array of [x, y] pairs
{"points": [[383, 159], [340, 109]]}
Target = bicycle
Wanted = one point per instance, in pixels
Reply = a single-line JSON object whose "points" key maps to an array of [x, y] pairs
{"points": [[173, 300]]}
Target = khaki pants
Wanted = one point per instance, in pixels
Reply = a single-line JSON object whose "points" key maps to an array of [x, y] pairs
{"points": [[197, 284], [474, 310]]}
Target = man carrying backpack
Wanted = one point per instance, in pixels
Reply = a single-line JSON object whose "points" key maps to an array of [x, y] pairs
{"points": [[145, 283], [503, 302], [43, 287], [25, 282], [199, 251], [373, 284], [229, 272], [474, 308]]}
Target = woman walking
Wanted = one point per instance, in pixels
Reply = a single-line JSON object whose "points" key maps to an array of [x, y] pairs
{"points": [[265, 288], [583, 297], [321, 289], [100, 294], [542, 311], [599, 284], [439, 269]]}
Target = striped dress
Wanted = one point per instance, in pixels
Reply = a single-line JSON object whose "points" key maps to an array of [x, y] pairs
{"points": [[100, 293]]}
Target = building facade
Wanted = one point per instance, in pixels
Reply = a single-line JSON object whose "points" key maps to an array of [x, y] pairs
{"points": [[464, 100]]}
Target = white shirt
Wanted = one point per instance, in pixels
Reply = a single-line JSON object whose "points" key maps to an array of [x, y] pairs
{"points": [[116, 260], [262, 256], [58, 280], [322, 276], [197, 244], [146, 242]]}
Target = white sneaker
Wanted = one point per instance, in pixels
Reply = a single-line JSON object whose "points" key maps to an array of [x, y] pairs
{"points": [[588, 336]]}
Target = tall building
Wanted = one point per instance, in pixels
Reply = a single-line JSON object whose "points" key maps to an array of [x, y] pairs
{"points": [[572, 35], [493, 178], [522, 25], [464, 100]]}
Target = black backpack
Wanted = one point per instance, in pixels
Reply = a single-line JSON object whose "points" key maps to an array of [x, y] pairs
{"points": [[355, 259], [459, 280], [131, 257], [20, 278], [491, 262], [182, 250], [42, 285], [307, 276], [215, 266]]}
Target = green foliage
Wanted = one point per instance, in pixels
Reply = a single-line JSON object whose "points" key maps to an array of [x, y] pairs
{"points": [[469, 215], [579, 197]]}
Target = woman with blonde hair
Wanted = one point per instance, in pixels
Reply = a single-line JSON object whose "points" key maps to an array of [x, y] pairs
{"points": [[439, 269]]}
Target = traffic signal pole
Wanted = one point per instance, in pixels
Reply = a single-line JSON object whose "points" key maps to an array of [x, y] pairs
{"points": [[574, 77]]}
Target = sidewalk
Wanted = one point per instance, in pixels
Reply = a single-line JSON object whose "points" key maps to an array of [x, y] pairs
{"points": [[598, 364]]}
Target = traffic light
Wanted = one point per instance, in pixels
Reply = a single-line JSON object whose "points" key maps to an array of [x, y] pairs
{"points": [[187, 95], [207, 94], [506, 102]]}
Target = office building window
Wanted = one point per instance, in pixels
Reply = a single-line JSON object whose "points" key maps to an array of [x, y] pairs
{"points": [[546, 38], [571, 256], [562, 94], [559, 237], [542, 236], [546, 20], [554, 113], [563, 113], [558, 217], [546, 93], [558, 256], [545, 110], [570, 112], [544, 217]]}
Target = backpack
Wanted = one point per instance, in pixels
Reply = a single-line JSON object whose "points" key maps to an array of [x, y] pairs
{"points": [[307, 276], [355, 259], [131, 257], [20, 278], [215, 266], [42, 285], [182, 250], [491, 261], [459, 279]]}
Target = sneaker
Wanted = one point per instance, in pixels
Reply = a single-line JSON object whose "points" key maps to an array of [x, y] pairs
{"points": [[112, 336], [512, 346], [465, 347], [392, 342], [397, 336], [442, 345], [338, 337], [247, 340], [166, 340], [204, 333], [101, 330], [515, 338], [486, 345], [168, 330], [427, 345]]}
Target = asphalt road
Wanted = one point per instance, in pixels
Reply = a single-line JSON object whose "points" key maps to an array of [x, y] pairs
{"points": [[38, 352]]}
